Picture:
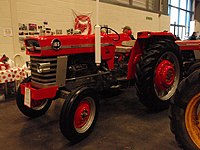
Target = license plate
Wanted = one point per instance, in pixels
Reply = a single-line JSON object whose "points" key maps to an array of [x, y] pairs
{"points": [[27, 97]]}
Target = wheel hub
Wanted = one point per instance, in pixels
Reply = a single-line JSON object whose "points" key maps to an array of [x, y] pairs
{"points": [[82, 114], [165, 75]]}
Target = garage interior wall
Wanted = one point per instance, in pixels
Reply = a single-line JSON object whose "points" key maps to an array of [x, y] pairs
{"points": [[58, 14], [6, 42], [197, 16]]}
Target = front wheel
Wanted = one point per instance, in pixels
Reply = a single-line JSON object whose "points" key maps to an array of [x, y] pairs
{"points": [[158, 74], [79, 114], [37, 109], [185, 112]]}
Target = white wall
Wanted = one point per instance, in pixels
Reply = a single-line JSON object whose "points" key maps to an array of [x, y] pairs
{"points": [[58, 13], [6, 42], [197, 26]]}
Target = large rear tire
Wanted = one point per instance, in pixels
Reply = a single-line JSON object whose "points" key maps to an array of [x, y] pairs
{"points": [[79, 114], [185, 112], [37, 109], [158, 74]]}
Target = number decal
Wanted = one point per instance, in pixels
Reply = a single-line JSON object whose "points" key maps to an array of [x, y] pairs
{"points": [[56, 44]]}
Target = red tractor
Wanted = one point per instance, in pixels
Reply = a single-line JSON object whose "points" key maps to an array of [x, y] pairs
{"points": [[64, 66]]}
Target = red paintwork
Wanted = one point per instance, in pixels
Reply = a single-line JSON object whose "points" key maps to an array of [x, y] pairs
{"points": [[189, 44], [82, 114], [147, 34], [165, 75], [39, 94], [134, 59]]}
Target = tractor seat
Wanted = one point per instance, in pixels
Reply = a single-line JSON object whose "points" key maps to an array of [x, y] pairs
{"points": [[129, 43], [125, 47]]}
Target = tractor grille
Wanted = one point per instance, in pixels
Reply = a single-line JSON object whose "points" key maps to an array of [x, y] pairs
{"points": [[46, 78]]}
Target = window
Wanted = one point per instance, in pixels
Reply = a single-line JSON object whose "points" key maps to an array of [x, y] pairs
{"points": [[157, 6], [181, 13]]}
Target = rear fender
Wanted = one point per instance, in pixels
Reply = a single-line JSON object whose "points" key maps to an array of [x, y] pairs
{"points": [[157, 35], [135, 55], [144, 40]]}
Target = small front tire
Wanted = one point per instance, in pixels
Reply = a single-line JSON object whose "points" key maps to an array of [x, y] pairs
{"points": [[79, 114], [37, 109]]}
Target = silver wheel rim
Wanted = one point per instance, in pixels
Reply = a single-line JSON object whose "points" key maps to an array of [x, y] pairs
{"points": [[90, 120], [40, 106], [166, 94]]}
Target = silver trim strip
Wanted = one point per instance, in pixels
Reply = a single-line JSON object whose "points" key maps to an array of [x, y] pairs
{"points": [[52, 69], [76, 46], [52, 64], [188, 44]]}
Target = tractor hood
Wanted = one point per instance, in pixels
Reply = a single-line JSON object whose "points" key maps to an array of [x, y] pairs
{"points": [[64, 44]]}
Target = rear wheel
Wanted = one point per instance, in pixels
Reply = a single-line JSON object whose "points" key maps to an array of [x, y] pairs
{"points": [[185, 112], [79, 114], [158, 74], [37, 108]]}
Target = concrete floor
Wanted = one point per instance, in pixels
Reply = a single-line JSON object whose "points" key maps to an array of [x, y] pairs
{"points": [[123, 124]]}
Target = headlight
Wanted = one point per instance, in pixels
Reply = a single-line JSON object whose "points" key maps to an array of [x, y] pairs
{"points": [[43, 67], [32, 45]]}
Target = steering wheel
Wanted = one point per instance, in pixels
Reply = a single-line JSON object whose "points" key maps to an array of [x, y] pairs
{"points": [[107, 28]]}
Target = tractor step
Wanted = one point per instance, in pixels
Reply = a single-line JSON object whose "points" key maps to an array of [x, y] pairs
{"points": [[122, 78], [115, 86], [124, 83]]}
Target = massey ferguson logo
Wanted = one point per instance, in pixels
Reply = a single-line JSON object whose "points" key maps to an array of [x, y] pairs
{"points": [[56, 44]]}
